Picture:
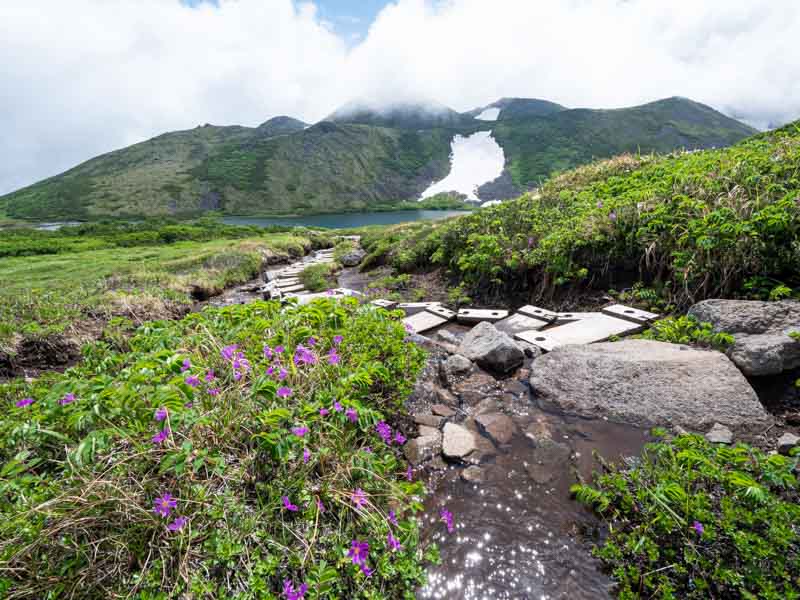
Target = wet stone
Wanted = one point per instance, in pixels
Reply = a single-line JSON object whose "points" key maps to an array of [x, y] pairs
{"points": [[487, 405], [499, 427], [458, 441], [786, 442], [473, 474], [539, 431], [549, 459], [446, 398], [448, 337], [457, 365], [425, 431], [428, 420], [720, 434], [442, 410], [421, 449]]}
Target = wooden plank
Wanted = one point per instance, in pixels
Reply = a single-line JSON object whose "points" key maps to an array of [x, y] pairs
{"points": [[413, 308], [284, 283], [585, 331], [535, 312], [628, 313], [519, 322], [293, 289], [387, 304], [476, 315], [571, 317], [424, 321], [441, 311]]}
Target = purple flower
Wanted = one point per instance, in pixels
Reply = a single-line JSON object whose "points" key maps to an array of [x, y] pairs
{"points": [[67, 399], [284, 392], [333, 358], [24, 402], [161, 414], [228, 352], [270, 370], [177, 524], [447, 517], [367, 449], [213, 391], [393, 543], [303, 355], [279, 349], [312, 341], [599, 204], [324, 412], [384, 431], [409, 328], [164, 504], [320, 505], [329, 292], [187, 364], [306, 455], [392, 518], [352, 415], [367, 571], [358, 552], [191, 404], [282, 374], [288, 505], [268, 353], [530, 242], [612, 216], [160, 436], [409, 473], [192, 381], [292, 593], [399, 438], [337, 339], [210, 376], [698, 527], [358, 497], [337, 406], [299, 431], [237, 375]]}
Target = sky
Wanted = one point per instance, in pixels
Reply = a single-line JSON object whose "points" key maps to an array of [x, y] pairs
{"points": [[84, 77]]}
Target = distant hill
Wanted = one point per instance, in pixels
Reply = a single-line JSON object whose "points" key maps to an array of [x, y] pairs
{"points": [[359, 157]]}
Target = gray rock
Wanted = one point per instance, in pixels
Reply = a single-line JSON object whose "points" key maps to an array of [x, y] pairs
{"points": [[487, 405], [499, 427], [448, 337], [786, 442], [647, 383], [720, 434], [539, 431], [353, 258], [443, 410], [530, 350], [473, 474], [446, 397], [421, 449], [491, 349], [761, 331], [425, 431], [422, 341], [457, 365], [428, 420], [458, 441]]}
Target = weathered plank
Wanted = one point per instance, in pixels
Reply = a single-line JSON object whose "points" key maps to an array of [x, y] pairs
{"points": [[535, 312], [476, 315], [424, 321], [519, 322], [413, 308], [585, 331], [630, 314], [387, 304], [441, 311]]}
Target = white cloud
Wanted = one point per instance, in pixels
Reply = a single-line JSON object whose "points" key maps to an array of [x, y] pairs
{"points": [[87, 76]]}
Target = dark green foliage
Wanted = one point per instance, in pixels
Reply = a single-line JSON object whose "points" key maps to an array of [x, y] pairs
{"points": [[689, 225], [745, 544], [78, 480], [687, 330], [318, 278]]}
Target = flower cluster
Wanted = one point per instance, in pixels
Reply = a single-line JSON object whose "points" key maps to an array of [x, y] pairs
{"points": [[163, 506], [358, 554], [385, 433]]}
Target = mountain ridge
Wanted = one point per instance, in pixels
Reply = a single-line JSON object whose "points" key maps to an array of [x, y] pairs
{"points": [[356, 159]]}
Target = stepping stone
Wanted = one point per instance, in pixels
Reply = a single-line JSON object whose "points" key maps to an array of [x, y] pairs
{"points": [[387, 304], [476, 315], [290, 274], [630, 314], [538, 313], [441, 311], [413, 308], [595, 329], [571, 317], [424, 321], [345, 292], [285, 283], [293, 288], [519, 322]]}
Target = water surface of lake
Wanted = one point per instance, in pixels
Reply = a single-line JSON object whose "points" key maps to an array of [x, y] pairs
{"points": [[347, 220]]}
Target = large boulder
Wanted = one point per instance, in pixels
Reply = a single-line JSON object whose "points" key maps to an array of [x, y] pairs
{"points": [[491, 349], [458, 441], [353, 257], [647, 383], [761, 331]]}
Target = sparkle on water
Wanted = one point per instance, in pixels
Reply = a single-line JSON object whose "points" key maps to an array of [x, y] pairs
{"points": [[474, 160]]}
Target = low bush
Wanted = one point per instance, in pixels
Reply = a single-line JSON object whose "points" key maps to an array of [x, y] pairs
{"points": [[688, 330], [240, 453], [320, 277], [691, 520]]}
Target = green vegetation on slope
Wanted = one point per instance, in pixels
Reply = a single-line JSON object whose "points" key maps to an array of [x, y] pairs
{"points": [[537, 147], [181, 466], [714, 223], [693, 520]]}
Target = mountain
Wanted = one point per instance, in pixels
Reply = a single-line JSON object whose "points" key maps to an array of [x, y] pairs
{"points": [[360, 157], [402, 115]]}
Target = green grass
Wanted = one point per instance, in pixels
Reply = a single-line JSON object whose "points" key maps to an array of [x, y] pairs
{"points": [[78, 480], [318, 278], [696, 225]]}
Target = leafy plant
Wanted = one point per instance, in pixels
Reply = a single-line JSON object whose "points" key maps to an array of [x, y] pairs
{"points": [[320, 277], [692, 520], [688, 330]]}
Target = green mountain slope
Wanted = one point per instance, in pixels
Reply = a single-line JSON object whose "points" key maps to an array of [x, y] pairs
{"points": [[359, 158], [537, 146]]}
